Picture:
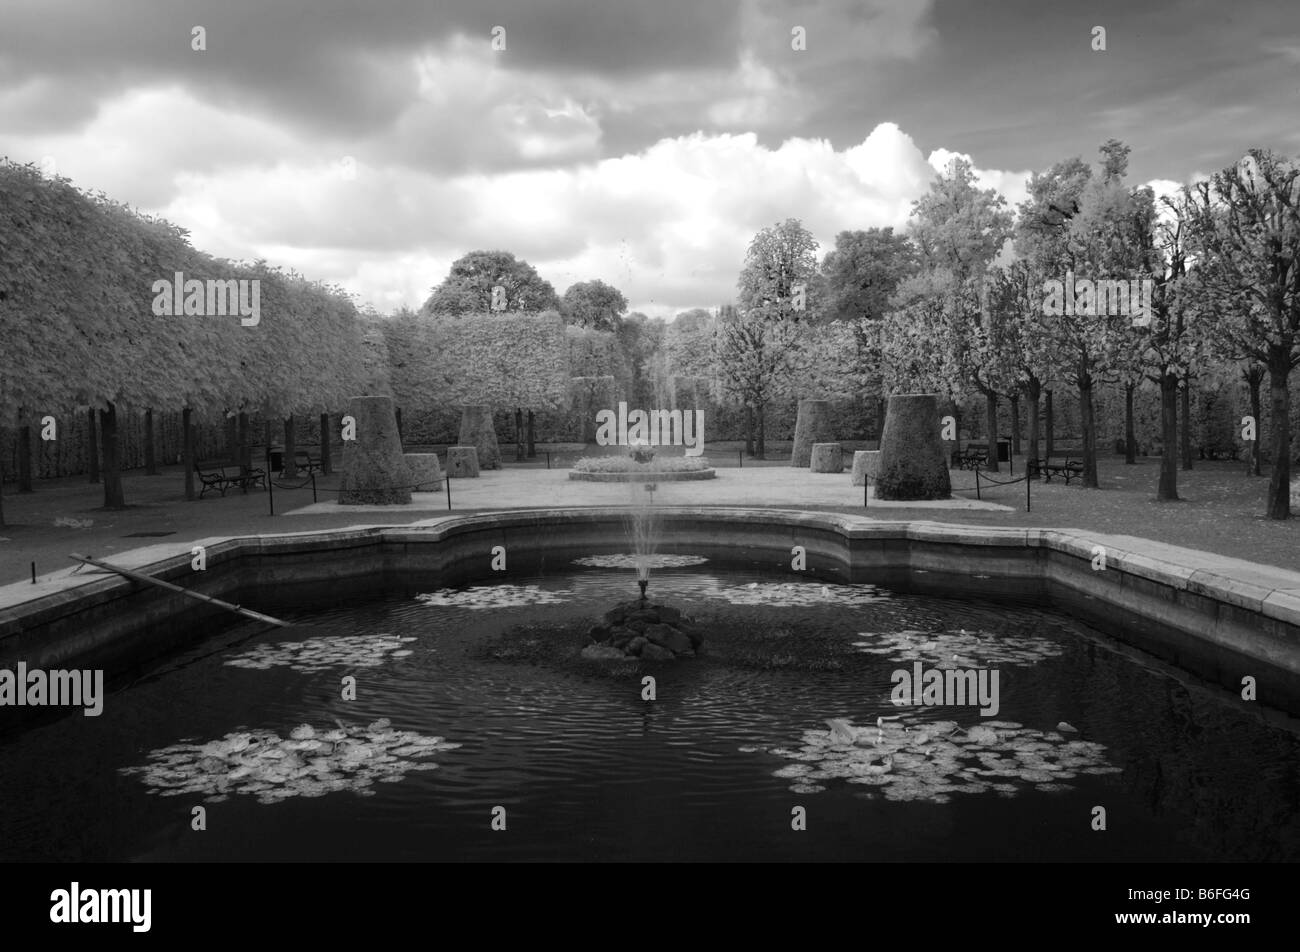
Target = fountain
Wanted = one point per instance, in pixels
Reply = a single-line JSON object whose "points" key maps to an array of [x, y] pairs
{"points": [[640, 628]]}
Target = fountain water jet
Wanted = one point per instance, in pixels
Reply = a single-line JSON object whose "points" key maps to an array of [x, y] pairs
{"points": [[641, 628]]}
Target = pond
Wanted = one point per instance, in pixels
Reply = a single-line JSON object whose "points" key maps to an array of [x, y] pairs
{"points": [[474, 731]]}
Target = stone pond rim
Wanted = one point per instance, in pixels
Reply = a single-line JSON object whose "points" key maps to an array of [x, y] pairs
{"points": [[1211, 616]]}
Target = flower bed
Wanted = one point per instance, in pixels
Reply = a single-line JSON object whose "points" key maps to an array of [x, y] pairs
{"points": [[624, 469]]}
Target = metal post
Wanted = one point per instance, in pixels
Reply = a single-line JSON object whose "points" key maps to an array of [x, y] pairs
{"points": [[270, 488], [33, 573], [313, 487], [866, 489], [447, 480], [977, 482], [740, 457], [1027, 490], [548, 464]]}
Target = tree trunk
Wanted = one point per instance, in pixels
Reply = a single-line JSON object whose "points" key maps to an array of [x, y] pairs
{"points": [[290, 468], [1089, 426], [1279, 481], [1187, 423], [1015, 424], [113, 497], [326, 465], [397, 414], [519, 435], [532, 437], [232, 438], [245, 438], [1167, 490], [1130, 438], [24, 459], [749, 430], [1033, 390], [187, 451], [761, 438], [1254, 379], [92, 449], [991, 421], [1049, 425], [150, 460]]}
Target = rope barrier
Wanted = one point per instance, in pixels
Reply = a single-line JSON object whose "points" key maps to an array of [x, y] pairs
{"points": [[1005, 482]]}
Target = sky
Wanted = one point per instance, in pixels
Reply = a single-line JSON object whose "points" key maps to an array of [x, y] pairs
{"points": [[641, 142]]}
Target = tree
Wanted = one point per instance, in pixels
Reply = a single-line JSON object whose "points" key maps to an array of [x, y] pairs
{"points": [[593, 304], [780, 264], [756, 347], [1172, 342], [1075, 224], [958, 230], [861, 275], [467, 289], [1245, 233]]}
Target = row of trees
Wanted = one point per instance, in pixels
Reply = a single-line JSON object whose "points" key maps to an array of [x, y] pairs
{"points": [[958, 303], [77, 319]]}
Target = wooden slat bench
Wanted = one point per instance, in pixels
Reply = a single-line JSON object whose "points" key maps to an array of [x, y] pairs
{"points": [[305, 462], [1068, 470], [222, 476], [975, 454]]}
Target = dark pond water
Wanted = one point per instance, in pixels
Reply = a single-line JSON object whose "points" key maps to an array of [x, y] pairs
{"points": [[475, 699]]}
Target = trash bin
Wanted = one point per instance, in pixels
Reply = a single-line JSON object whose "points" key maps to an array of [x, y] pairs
{"points": [[1004, 451]]}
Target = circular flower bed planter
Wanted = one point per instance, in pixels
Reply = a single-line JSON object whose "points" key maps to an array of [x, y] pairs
{"points": [[646, 477], [639, 466]]}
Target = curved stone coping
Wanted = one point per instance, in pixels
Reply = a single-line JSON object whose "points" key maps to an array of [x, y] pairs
{"points": [[679, 476], [1273, 591], [1229, 607]]}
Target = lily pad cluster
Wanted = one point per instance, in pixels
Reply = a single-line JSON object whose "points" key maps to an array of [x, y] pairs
{"points": [[630, 561], [904, 759], [958, 649], [320, 654], [493, 596], [791, 594], [308, 763]]}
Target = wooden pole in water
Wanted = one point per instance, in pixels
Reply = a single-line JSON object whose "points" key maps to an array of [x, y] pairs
{"points": [[150, 580]]}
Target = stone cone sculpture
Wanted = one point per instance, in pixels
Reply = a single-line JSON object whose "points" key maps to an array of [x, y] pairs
{"points": [[813, 425], [477, 430], [912, 461], [374, 470]]}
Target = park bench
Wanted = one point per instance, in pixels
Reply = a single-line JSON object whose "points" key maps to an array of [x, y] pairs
{"points": [[1070, 469], [306, 462], [222, 476], [975, 454]]}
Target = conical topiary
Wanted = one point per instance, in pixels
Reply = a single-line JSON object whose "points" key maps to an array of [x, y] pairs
{"points": [[476, 430], [813, 425], [374, 470], [912, 461]]}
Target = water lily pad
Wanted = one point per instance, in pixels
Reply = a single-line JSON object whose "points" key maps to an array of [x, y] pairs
{"points": [[271, 768], [481, 597]]}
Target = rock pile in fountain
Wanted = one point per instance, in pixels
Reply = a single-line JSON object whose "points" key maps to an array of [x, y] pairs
{"points": [[638, 629]]}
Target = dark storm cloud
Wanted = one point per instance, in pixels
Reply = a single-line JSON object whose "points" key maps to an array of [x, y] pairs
{"points": [[331, 63]]}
